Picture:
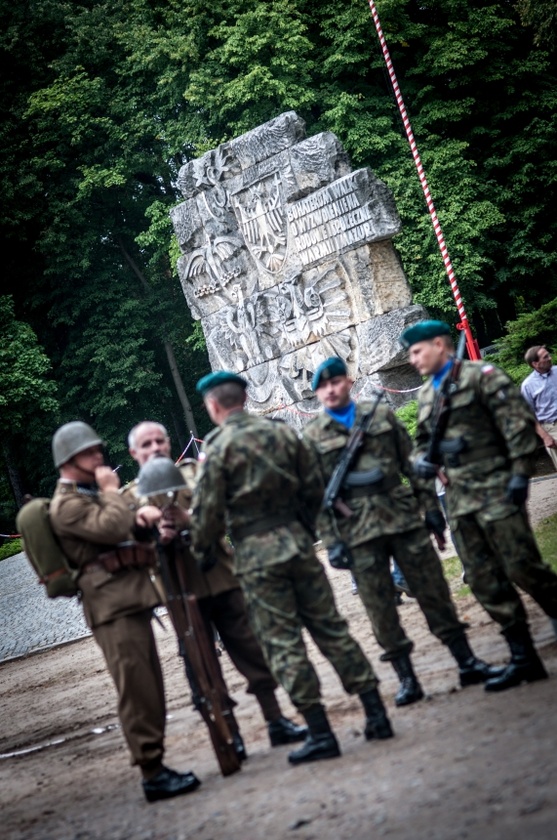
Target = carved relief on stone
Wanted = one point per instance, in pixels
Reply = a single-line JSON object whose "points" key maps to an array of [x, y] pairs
{"points": [[262, 222], [287, 259]]}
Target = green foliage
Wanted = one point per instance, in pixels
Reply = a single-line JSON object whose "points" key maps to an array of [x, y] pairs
{"points": [[25, 388], [529, 329], [102, 102], [546, 536], [9, 548], [408, 414]]}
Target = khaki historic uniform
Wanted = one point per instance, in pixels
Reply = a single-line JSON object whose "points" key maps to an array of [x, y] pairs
{"points": [[118, 610], [220, 600], [386, 522], [256, 478], [489, 438]]}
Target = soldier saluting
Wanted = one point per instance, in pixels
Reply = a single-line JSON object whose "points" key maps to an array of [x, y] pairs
{"points": [[101, 537], [382, 519], [486, 451]]}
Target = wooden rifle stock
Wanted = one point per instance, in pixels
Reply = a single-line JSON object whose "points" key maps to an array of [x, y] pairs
{"points": [[191, 631]]}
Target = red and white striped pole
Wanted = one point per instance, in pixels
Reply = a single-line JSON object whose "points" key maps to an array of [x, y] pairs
{"points": [[471, 343]]}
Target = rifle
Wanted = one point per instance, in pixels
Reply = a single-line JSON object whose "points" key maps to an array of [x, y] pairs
{"points": [[347, 458], [442, 409], [191, 631]]}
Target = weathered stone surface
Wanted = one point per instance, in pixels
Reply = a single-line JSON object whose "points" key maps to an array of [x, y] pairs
{"points": [[287, 259]]}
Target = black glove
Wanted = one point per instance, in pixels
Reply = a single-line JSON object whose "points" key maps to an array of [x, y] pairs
{"points": [[208, 562], [435, 522], [517, 489], [424, 468], [340, 556]]}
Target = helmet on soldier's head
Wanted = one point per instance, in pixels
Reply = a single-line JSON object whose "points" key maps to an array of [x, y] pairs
{"points": [[72, 438], [159, 475]]}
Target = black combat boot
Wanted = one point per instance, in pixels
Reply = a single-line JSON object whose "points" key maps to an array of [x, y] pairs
{"points": [[378, 724], [525, 664], [285, 731], [471, 670], [320, 741], [168, 783], [410, 690]]}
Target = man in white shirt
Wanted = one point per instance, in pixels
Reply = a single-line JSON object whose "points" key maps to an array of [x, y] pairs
{"points": [[539, 389]]}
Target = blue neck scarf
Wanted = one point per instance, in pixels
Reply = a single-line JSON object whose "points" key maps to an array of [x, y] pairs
{"points": [[345, 415]]}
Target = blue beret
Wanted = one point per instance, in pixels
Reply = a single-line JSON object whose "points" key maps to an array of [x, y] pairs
{"points": [[423, 331], [219, 377], [327, 369]]}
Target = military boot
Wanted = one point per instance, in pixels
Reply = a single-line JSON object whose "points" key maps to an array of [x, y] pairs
{"points": [[320, 741], [471, 670], [525, 664], [285, 731], [168, 783], [410, 690], [378, 724]]}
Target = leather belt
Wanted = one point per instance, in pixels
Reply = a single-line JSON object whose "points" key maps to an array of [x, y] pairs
{"points": [[461, 459], [262, 525], [130, 555]]}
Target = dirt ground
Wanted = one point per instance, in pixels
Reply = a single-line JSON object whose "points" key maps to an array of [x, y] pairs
{"points": [[464, 764]]}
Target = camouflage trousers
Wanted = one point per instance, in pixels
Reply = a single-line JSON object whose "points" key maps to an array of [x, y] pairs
{"points": [[284, 598], [498, 556], [422, 569]]}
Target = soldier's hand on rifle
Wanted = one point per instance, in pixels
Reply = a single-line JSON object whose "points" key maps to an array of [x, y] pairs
{"points": [[517, 489], [147, 516], [174, 519], [424, 468], [435, 523]]}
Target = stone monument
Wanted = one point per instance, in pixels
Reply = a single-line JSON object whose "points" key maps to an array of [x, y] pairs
{"points": [[287, 259]]}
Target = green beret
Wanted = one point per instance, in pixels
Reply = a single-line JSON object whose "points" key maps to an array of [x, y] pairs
{"points": [[327, 369], [423, 331], [219, 377]]}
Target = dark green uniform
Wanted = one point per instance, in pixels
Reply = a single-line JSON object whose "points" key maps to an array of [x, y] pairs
{"points": [[256, 478], [385, 523], [493, 428]]}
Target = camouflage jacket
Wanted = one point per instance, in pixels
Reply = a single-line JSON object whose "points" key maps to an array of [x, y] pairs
{"points": [[256, 473], [88, 524], [386, 507], [220, 578], [496, 428]]}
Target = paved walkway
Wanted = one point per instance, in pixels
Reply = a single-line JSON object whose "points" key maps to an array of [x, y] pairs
{"points": [[29, 620]]}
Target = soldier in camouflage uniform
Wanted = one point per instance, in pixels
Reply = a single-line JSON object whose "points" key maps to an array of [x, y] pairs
{"points": [[260, 483], [383, 520], [486, 451], [218, 592]]}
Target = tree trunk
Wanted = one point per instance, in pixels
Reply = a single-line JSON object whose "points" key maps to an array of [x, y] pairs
{"points": [[13, 476], [176, 376], [179, 385]]}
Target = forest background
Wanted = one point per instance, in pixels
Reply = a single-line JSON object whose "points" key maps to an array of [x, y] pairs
{"points": [[102, 102]]}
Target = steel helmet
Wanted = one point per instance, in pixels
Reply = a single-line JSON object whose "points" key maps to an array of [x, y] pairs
{"points": [[72, 438], [159, 475]]}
